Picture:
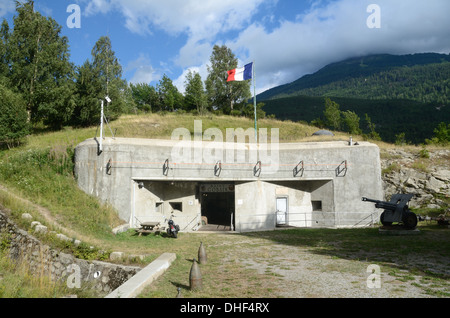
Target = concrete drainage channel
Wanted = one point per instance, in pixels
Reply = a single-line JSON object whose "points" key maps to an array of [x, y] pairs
{"points": [[134, 286]]}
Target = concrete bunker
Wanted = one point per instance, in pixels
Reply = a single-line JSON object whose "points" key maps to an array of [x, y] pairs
{"points": [[312, 184]]}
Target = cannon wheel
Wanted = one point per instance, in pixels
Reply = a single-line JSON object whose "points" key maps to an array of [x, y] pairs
{"points": [[410, 220], [382, 220]]}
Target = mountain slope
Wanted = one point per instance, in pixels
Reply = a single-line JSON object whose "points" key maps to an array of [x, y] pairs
{"points": [[426, 74], [391, 116]]}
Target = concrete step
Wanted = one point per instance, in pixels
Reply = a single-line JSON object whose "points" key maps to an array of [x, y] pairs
{"points": [[134, 286]]}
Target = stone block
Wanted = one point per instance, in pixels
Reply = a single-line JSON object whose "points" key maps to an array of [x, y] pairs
{"points": [[42, 229], [62, 237], [27, 216], [116, 256], [35, 223]]}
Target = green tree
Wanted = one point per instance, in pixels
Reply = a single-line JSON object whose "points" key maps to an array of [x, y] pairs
{"points": [[40, 67], [87, 110], [97, 79], [441, 135], [400, 139], [371, 126], [13, 117], [170, 97], [108, 71], [145, 97], [351, 120], [195, 96], [332, 114], [4, 54], [223, 95]]}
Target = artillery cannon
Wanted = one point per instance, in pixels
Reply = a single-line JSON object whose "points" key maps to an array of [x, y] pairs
{"points": [[396, 210]]}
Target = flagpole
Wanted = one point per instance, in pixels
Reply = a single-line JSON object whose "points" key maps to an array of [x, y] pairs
{"points": [[254, 102]]}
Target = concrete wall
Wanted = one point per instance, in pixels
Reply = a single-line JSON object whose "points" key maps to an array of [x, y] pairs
{"points": [[324, 182]]}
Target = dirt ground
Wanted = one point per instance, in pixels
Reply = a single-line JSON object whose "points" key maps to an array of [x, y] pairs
{"points": [[304, 273]]}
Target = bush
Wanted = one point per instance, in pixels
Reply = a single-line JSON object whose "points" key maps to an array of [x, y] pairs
{"points": [[14, 124], [441, 135]]}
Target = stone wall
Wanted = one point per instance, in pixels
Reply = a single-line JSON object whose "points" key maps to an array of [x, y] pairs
{"points": [[23, 247], [425, 175]]}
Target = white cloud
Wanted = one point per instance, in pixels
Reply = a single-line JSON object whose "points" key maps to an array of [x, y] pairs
{"points": [[338, 31], [143, 71], [200, 19], [6, 6], [98, 6], [327, 32]]}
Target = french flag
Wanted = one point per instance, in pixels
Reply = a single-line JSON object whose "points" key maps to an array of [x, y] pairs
{"points": [[241, 74]]}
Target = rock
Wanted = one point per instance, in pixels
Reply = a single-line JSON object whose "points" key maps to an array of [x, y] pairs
{"points": [[442, 175], [62, 237], [27, 216], [121, 229], [435, 185], [35, 223], [411, 183], [42, 229], [115, 256]]}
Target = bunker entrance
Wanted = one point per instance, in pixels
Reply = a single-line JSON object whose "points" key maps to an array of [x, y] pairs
{"points": [[218, 208]]}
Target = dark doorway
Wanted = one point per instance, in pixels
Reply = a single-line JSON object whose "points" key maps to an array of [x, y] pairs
{"points": [[218, 206]]}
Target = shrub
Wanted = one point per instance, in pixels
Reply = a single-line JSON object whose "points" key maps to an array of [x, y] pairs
{"points": [[14, 124]]}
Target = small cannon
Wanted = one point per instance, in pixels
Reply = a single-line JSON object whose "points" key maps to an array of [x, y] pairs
{"points": [[396, 210]]}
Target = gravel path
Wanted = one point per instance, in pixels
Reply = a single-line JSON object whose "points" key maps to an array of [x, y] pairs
{"points": [[303, 273]]}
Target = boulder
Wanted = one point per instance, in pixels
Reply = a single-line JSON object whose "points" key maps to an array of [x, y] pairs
{"points": [[27, 216], [42, 229]]}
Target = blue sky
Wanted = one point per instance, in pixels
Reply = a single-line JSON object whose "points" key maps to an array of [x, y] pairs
{"points": [[285, 38]]}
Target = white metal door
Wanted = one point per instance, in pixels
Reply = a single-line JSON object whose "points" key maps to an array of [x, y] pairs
{"points": [[282, 209]]}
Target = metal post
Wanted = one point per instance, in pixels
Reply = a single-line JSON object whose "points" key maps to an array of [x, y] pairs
{"points": [[254, 102], [101, 128]]}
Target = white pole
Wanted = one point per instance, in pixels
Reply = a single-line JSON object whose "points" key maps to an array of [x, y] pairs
{"points": [[101, 129], [254, 101]]}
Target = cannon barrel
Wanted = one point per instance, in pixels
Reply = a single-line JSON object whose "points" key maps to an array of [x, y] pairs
{"points": [[370, 200], [382, 204]]}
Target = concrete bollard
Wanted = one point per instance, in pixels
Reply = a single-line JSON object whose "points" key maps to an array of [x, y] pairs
{"points": [[195, 277], [202, 257]]}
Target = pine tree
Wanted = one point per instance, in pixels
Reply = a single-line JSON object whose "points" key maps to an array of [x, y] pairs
{"points": [[195, 97], [108, 72], [97, 79], [145, 97], [87, 110], [223, 95], [171, 98], [332, 114], [4, 54], [40, 67], [351, 120], [13, 117]]}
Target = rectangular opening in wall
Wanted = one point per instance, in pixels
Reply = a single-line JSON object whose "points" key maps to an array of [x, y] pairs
{"points": [[176, 206], [317, 205], [159, 207]]}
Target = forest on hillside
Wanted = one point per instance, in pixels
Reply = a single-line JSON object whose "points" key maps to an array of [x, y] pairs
{"points": [[406, 95], [423, 83], [390, 118]]}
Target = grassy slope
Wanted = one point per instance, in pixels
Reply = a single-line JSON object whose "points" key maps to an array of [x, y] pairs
{"points": [[37, 178]]}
